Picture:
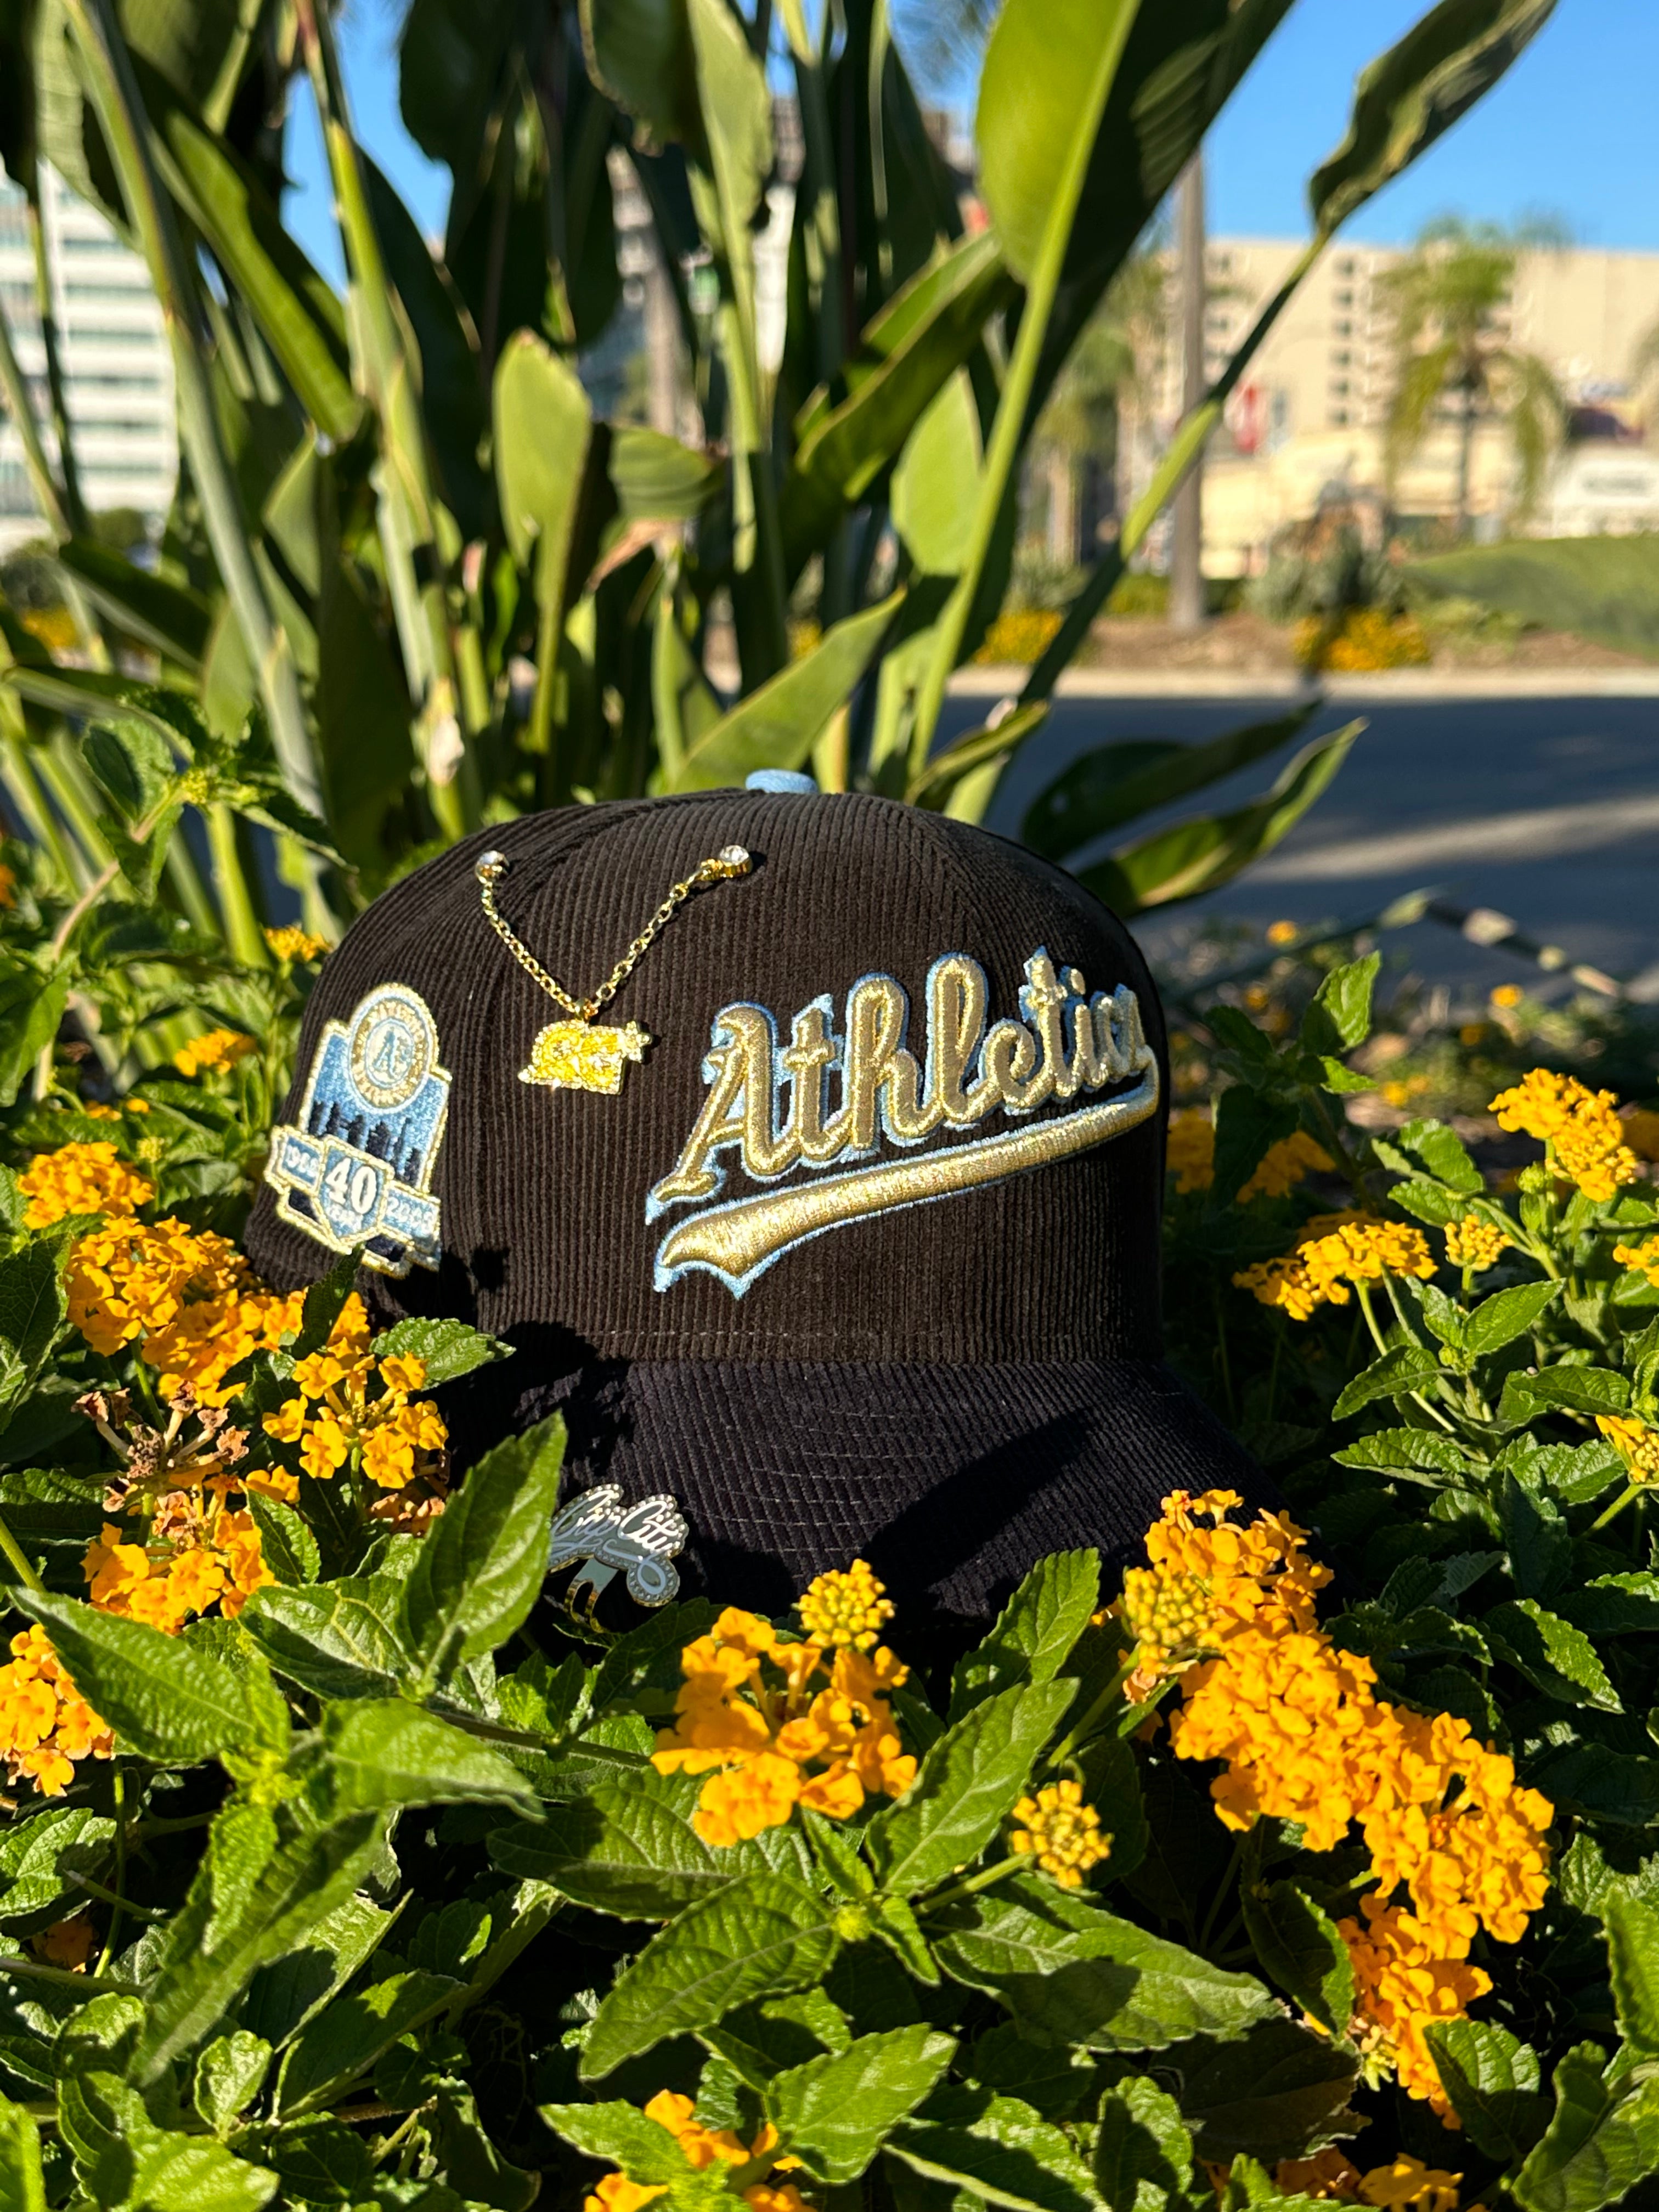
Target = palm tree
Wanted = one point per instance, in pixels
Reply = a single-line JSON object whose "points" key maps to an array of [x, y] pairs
{"points": [[1451, 354]]}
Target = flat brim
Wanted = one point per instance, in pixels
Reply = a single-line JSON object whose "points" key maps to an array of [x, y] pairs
{"points": [[950, 1481]]}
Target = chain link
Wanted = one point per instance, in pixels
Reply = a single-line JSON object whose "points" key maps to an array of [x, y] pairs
{"points": [[732, 860]]}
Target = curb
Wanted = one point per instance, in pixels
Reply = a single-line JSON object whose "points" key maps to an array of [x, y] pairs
{"points": [[1405, 685]]}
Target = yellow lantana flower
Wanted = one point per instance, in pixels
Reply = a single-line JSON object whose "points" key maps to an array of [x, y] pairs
{"points": [[354, 1408], [846, 1610], [1644, 1258], [289, 943], [1061, 1832], [1636, 1444], [1473, 1243], [1579, 1127], [80, 1179], [1333, 1251], [45, 1724], [702, 2147], [187, 1298], [214, 1054]]}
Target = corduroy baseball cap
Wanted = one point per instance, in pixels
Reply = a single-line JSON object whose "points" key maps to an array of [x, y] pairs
{"points": [[839, 1222]]}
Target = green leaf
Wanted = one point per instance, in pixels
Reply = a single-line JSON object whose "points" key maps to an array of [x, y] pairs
{"points": [[1633, 1927], [994, 2147], [448, 1349], [343, 2041], [622, 2136], [1570, 1389], [834, 2112], [966, 1783], [1444, 1154], [1194, 858], [127, 2164], [1248, 1124], [656, 479], [625, 1848], [1279, 2092], [761, 1936], [1035, 1632], [1491, 2078], [1141, 2141], [230, 2072], [22, 2186], [1537, 1539], [1601, 2139], [543, 427], [1071, 1973], [1613, 1605], [1499, 1320], [1405, 1368], [1606, 1785], [40, 1855], [481, 1567], [167, 1699], [1299, 1947], [1116, 783], [1340, 1016], [381, 1754], [340, 1639], [286, 1544], [639, 53], [778, 724], [321, 2162], [1408, 96], [901, 365], [1389, 1450], [284, 1995], [1550, 1653], [30, 1019]]}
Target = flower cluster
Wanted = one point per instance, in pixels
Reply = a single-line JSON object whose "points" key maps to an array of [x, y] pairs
{"points": [[353, 1408], [187, 1298], [45, 1724], [1333, 1251], [1635, 1444], [846, 1610], [290, 945], [67, 1943], [1061, 1832], [703, 2147], [1580, 1128], [1473, 1243], [1303, 1736], [80, 1179], [1642, 1258], [776, 1723], [1191, 1158], [212, 1054], [1405, 2184]]}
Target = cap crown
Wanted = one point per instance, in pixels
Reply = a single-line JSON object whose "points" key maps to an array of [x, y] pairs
{"points": [[819, 1156]]}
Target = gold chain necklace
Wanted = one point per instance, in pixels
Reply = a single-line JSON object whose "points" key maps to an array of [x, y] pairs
{"points": [[575, 1055]]}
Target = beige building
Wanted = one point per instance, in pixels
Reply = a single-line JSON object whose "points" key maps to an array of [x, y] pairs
{"points": [[1310, 411]]}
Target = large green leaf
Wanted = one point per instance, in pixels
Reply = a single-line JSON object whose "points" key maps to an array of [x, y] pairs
{"points": [[995, 2147], [167, 1700], [1110, 786], [622, 2136], [1141, 2138], [1280, 2091], [778, 724], [1033, 1636], [639, 54], [168, 617], [1603, 2139], [128, 2164], [1298, 1945], [1605, 588], [834, 2112], [1633, 1958], [1195, 857], [41, 1855], [1072, 1974], [22, 2185], [891, 378], [1550, 1652], [480, 1569], [339, 1639], [542, 424], [381, 1754], [1491, 2078], [967, 1783], [345, 2039], [760, 1936], [1409, 96], [625, 1848]]}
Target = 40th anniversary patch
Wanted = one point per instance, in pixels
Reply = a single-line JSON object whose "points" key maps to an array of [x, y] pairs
{"points": [[356, 1169]]}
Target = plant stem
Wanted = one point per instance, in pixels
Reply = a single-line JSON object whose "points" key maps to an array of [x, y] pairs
{"points": [[33, 1970], [1098, 1708], [1632, 1490], [18, 1561], [1008, 430], [74, 505], [974, 1884], [48, 495]]}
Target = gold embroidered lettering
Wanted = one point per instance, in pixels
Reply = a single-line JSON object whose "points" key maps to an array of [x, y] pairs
{"points": [[736, 1111], [958, 995]]}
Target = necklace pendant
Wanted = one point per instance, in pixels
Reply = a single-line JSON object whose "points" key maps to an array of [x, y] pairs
{"points": [[584, 1056]]}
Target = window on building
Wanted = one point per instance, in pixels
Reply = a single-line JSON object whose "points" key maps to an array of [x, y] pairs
{"points": [[1339, 417], [76, 289], [1341, 360]]}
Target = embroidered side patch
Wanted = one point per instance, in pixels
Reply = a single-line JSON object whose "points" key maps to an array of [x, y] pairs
{"points": [[356, 1168]]}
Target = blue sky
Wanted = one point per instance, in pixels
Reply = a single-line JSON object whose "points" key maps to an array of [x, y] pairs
{"points": [[1570, 130]]}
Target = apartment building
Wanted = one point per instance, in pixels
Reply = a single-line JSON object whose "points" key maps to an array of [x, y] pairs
{"points": [[117, 371]]}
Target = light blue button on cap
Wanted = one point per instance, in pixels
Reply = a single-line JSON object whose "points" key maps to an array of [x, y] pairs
{"points": [[786, 779]]}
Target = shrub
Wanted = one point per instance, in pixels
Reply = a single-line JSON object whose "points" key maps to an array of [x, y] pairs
{"points": [[1365, 638]]}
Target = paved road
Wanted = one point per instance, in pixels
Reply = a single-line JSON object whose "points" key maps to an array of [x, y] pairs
{"points": [[1546, 810]]}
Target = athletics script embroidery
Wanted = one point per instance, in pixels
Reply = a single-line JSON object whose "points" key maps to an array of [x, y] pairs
{"points": [[1067, 1046]]}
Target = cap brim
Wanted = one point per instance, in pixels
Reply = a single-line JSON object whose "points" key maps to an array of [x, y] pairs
{"points": [[951, 1481]]}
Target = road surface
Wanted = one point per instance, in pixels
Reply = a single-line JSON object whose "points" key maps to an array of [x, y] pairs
{"points": [[1544, 809]]}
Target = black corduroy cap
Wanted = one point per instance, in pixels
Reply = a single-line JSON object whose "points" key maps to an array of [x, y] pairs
{"points": [[856, 1251]]}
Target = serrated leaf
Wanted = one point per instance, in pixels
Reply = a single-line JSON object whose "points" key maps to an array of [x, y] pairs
{"points": [[381, 1754], [1491, 2078], [1499, 1320], [124, 2160], [286, 1543], [966, 1783], [1571, 1389], [1428, 1202], [1613, 1605], [1141, 2140], [481, 1568], [1299, 1948], [1599, 2142], [22, 2184], [1633, 1927], [344, 2040], [996, 2147], [762, 1935], [1405, 1369], [1444, 1154], [627, 1849], [1279, 2092], [834, 2112], [340, 1639], [1537, 1539], [622, 2136], [1550, 1653], [1034, 1634], [1339, 1016], [39, 1857], [1388, 1449], [229, 2072], [446, 1349], [1072, 1974], [166, 1699]]}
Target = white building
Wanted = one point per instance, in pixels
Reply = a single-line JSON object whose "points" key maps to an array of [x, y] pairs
{"points": [[117, 375]]}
